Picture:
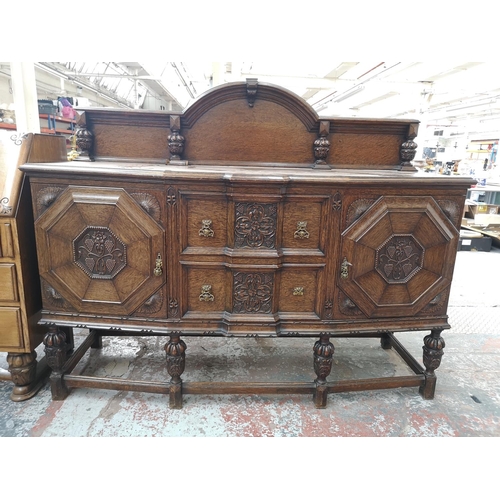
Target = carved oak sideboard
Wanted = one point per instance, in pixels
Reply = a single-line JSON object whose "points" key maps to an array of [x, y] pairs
{"points": [[245, 215]]}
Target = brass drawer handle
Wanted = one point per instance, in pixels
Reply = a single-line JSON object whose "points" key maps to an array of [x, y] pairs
{"points": [[298, 290], [344, 269], [206, 294], [158, 270], [301, 232], [206, 230]]}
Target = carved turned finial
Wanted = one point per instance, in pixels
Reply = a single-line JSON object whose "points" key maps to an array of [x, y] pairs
{"points": [[252, 84], [408, 149], [322, 145], [84, 140], [175, 140]]}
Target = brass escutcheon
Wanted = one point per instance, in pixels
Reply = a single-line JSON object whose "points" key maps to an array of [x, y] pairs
{"points": [[158, 270], [344, 269], [298, 290]]}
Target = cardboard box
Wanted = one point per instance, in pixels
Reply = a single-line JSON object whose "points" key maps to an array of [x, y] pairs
{"points": [[487, 209], [481, 208], [481, 244]]}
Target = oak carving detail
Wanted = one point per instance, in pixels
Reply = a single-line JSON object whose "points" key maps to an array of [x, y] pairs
{"points": [[399, 258], [253, 293], [255, 225], [99, 253]]}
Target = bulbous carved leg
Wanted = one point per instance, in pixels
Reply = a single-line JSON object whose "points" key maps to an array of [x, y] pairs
{"points": [[175, 350], [56, 348], [433, 352], [23, 367], [323, 357]]}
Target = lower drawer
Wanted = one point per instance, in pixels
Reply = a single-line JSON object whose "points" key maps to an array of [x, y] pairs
{"points": [[11, 330]]}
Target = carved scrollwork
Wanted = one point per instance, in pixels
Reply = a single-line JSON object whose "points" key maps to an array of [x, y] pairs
{"points": [[171, 196], [435, 305], [46, 197], [52, 296], [347, 306], [18, 138], [337, 201], [153, 304], [5, 208], [149, 204], [328, 308], [173, 305], [356, 209], [451, 210], [253, 293], [255, 225]]}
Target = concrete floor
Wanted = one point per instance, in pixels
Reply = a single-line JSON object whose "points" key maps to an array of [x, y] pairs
{"points": [[467, 401]]}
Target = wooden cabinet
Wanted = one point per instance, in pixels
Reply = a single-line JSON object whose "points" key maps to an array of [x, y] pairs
{"points": [[244, 217], [20, 298]]}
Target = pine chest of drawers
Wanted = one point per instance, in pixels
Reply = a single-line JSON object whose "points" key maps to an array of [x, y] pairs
{"points": [[20, 298]]}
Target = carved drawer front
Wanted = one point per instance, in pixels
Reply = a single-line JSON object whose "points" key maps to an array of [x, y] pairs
{"points": [[206, 289], [99, 252], [398, 256], [298, 290], [302, 225], [205, 222], [8, 283], [10, 319]]}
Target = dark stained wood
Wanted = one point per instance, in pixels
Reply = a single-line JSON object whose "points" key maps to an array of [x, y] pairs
{"points": [[224, 221]]}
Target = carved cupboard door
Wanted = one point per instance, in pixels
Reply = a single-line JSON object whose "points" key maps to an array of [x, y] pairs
{"points": [[397, 256], [99, 252]]}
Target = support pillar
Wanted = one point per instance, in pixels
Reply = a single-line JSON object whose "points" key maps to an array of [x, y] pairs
{"points": [[323, 358], [175, 350], [433, 352]]}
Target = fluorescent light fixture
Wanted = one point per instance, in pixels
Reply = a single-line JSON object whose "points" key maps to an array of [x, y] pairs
{"points": [[377, 99], [355, 91], [51, 71], [475, 105]]}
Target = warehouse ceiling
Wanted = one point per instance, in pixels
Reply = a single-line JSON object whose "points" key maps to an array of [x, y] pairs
{"points": [[435, 92]]}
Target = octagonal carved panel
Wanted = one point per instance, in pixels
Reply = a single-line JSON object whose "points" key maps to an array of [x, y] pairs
{"points": [[401, 252]]}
